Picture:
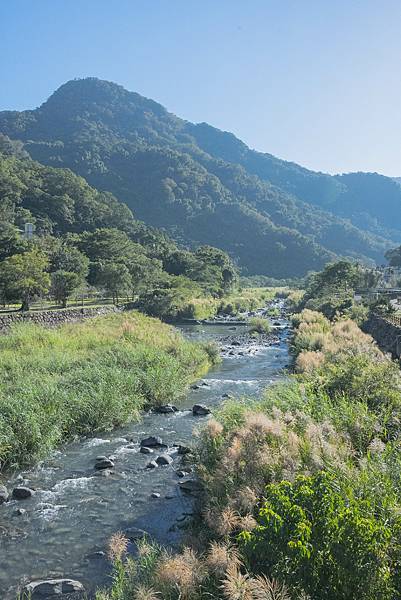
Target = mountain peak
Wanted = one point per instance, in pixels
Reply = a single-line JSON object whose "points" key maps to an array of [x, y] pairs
{"points": [[90, 92]]}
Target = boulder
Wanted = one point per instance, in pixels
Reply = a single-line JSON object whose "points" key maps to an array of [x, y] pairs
{"points": [[195, 386], [52, 587], [145, 450], [21, 493], [190, 486], [200, 410], [164, 459], [102, 462], [182, 473], [153, 442], [152, 465], [4, 495], [166, 409]]}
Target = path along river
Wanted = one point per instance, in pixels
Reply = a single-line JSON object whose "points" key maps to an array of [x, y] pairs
{"points": [[67, 523]]}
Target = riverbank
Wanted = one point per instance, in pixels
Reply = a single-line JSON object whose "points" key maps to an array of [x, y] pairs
{"points": [[77, 379], [74, 501], [300, 488]]}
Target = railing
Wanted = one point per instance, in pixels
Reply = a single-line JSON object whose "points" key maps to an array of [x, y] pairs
{"points": [[394, 319]]}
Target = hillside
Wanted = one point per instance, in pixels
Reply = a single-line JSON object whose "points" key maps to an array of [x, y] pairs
{"points": [[85, 237], [204, 186]]}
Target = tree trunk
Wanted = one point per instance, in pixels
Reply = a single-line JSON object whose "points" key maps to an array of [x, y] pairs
{"points": [[64, 303], [25, 304]]}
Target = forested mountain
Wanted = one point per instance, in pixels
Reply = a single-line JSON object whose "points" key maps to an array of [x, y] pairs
{"points": [[205, 186], [83, 237]]}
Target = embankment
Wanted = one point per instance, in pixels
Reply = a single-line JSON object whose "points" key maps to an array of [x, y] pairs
{"points": [[53, 318], [385, 333]]}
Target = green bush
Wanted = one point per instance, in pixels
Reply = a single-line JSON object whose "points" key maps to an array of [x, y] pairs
{"points": [[259, 325], [311, 534]]}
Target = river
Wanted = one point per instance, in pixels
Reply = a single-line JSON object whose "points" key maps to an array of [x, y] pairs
{"points": [[67, 523]]}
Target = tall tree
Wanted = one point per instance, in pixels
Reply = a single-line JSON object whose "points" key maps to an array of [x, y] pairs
{"points": [[23, 277]]}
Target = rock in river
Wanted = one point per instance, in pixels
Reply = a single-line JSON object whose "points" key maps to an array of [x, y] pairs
{"points": [[153, 442], [191, 486], [166, 409], [21, 493], [46, 588], [4, 495], [103, 462], [200, 410], [152, 465], [164, 459], [145, 450]]}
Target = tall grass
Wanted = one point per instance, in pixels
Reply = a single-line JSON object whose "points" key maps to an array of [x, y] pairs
{"points": [[244, 300], [59, 383]]}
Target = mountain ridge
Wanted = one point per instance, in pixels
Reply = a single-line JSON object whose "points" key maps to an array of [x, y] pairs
{"points": [[181, 176]]}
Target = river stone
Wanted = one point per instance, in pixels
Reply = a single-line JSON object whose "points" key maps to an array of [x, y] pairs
{"points": [[153, 442], [53, 587], [182, 473], [155, 495], [19, 512], [164, 459], [4, 495], [22, 492], [102, 462], [166, 409], [200, 410], [195, 386], [146, 450], [191, 486], [152, 465], [184, 449]]}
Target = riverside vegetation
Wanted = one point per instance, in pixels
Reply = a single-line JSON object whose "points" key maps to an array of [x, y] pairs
{"points": [[301, 488], [71, 381]]}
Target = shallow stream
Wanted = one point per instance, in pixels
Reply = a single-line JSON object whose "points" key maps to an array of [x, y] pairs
{"points": [[65, 528]]}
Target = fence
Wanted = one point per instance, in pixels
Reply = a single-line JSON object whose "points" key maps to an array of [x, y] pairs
{"points": [[394, 319]]}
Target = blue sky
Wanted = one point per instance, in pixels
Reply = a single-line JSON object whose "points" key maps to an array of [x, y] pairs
{"points": [[317, 82]]}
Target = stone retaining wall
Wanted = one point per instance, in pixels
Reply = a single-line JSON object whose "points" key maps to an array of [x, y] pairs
{"points": [[52, 318], [386, 334]]}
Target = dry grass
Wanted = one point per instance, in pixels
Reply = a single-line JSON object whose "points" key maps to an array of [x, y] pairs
{"points": [[117, 547]]}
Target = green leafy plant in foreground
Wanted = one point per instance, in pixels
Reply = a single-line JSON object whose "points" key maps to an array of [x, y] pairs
{"points": [[311, 533]]}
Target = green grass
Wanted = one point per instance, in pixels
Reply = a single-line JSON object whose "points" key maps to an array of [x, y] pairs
{"points": [[259, 325], [59, 383]]}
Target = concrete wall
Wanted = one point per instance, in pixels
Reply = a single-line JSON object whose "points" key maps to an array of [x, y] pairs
{"points": [[52, 318], [386, 334]]}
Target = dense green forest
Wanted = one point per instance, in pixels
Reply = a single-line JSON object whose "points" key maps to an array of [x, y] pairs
{"points": [[204, 186], [87, 239]]}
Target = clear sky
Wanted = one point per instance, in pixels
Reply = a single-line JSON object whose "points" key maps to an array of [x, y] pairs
{"points": [[313, 81]]}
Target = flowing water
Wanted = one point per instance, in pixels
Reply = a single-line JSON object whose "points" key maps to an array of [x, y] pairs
{"points": [[67, 523]]}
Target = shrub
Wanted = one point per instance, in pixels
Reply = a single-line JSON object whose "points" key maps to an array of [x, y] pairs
{"points": [[315, 536], [259, 325]]}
